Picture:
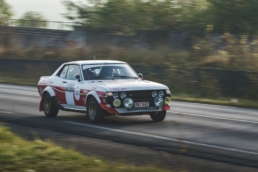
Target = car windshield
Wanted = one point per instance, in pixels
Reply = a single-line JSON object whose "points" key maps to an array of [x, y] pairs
{"points": [[108, 71]]}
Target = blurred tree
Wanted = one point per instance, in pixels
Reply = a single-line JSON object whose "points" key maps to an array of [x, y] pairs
{"points": [[127, 16], [234, 16], [5, 12], [32, 19]]}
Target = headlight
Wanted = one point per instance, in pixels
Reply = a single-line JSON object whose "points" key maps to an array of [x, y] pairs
{"points": [[167, 100], [168, 91], [115, 95], [116, 102], [158, 101], [154, 94], [123, 95], [128, 103], [161, 94]]}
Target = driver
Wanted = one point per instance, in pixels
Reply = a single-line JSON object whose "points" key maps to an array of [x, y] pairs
{"points": [[107, 72]]}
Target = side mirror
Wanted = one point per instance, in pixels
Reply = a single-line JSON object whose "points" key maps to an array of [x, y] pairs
{"points": [[140, 76], [77, 76]]}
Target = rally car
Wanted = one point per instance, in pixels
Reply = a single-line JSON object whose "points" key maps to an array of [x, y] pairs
{"points": [[100, 88]]}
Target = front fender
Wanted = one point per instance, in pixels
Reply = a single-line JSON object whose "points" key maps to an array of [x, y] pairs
{"points": [[94, 94]]}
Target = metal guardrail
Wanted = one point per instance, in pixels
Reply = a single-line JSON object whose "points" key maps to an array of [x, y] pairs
{"points": [[56, 25]]}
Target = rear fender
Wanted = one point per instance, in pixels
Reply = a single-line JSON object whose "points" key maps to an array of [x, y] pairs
{"points": [[48, 90]]}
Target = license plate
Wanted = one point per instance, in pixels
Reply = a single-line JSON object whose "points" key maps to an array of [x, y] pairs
{"points": [[141, 104]]}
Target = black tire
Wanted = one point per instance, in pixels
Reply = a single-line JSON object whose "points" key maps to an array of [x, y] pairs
{"points": [[50, 109], [158, 116], [95, 113]]}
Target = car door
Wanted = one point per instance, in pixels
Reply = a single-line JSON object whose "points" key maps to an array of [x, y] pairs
{"points": [[61, 84], [73, 87]]}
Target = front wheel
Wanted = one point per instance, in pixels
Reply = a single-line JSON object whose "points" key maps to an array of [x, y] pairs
{"points": [[94, 112], [50, 109], [158, 116]]}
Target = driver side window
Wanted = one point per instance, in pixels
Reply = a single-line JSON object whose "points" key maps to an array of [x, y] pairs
{"points": [[72, 71]]}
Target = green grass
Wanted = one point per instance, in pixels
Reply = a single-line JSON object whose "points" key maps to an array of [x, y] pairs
{"points": [[19, 81], [218, 101], [17, 154]]}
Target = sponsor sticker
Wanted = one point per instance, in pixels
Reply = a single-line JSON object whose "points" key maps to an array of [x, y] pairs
{"points": [[70, 87], [119, 89]]}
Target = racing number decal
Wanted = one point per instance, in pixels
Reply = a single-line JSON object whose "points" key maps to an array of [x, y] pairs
{"points": [[73, 94], [78, 97]]}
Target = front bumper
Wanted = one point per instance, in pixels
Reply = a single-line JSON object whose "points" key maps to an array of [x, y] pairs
{"points": [[133, 111]]}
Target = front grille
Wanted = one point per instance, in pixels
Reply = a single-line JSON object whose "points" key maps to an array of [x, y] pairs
{"points": [[137, 96]]}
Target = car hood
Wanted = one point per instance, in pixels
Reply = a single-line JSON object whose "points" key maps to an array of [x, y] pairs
{"points": [[130, 85]]}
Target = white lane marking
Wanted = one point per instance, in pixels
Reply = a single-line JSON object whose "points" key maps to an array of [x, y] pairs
{"points": [[215, 117], [19, 93], [164, 138], [5, 112]]}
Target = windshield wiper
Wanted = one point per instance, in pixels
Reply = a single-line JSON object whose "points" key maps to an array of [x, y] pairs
{"points": [[124, 76], [97, 77]]}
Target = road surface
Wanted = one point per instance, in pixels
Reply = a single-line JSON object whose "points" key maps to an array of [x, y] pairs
{"points": [[193, 137]]}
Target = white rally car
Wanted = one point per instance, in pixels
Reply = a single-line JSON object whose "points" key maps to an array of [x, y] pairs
{"points": [[102, 88]]}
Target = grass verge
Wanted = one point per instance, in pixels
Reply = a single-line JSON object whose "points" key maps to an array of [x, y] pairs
{"points": [[218, 101], [17, 154], [19, 81]]}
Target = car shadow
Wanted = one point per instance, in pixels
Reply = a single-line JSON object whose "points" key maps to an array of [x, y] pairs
{"points": [[114, 120]]}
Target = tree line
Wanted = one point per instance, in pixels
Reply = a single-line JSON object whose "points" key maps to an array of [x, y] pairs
{"points": [[129, 16], [218, 16], [28, 19]]}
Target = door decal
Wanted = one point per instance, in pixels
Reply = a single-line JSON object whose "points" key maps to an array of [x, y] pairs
{"points": [[69, 93], [77, 93]]}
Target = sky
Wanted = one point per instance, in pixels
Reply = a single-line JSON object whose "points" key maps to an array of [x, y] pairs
{"points": [[51, 9]]}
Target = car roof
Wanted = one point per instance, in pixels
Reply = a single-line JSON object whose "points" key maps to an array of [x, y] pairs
{"points": [[95, 62]]}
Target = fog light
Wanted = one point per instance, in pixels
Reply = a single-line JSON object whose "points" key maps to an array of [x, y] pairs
{"points": [[128, 103], [115, 95], [123, 95], [116, 102], [167, 100], [154, 94], [161, 94], [158, 101]]}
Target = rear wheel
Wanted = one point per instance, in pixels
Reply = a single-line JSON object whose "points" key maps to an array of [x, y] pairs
{"points": [[158, 116], [94, 112], [50, 109]]}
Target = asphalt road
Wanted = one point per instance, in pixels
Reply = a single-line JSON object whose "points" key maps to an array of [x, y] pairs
{"points": [[193, 137]]}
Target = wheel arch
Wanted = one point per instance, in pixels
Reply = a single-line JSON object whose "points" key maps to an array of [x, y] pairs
{"points": [[93, 94], [48, 90]]}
